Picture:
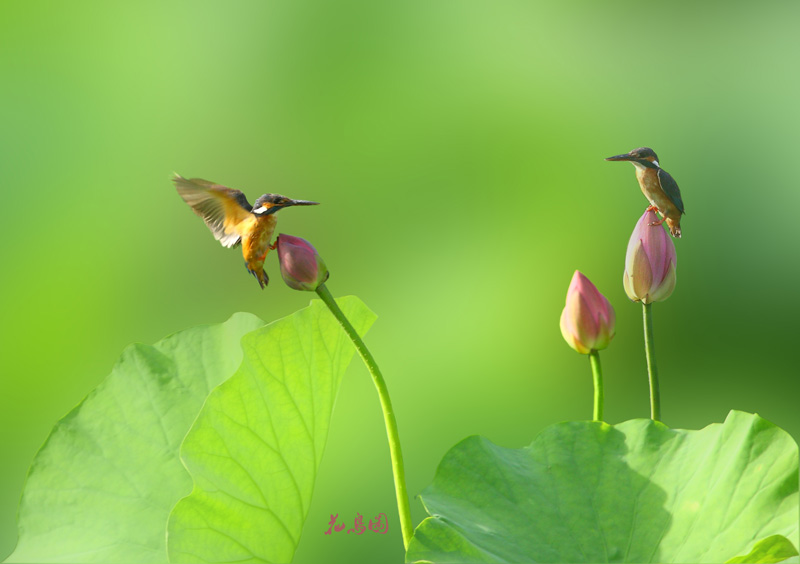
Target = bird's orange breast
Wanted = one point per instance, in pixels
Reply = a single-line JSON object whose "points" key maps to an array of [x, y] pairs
{"points": [[256, 236], [651, 188]]}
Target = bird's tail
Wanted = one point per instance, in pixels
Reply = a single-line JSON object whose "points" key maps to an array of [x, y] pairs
{"points": [[263, 279], [260, 275], [674, 228]]}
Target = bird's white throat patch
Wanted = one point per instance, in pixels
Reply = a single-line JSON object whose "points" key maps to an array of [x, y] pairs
{"points": [[640, 166]]}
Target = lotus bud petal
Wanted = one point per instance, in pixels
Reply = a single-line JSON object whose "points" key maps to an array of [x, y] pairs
{"points": [[588, 319], [650, 262], [301, 266]]}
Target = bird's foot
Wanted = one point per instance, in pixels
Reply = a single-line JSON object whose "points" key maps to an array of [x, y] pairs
{"points": [[273, 246], [652, 208]]}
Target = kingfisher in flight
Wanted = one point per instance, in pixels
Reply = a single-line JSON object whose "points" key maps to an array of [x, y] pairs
{"points": [[658, 187], [233, 221]]}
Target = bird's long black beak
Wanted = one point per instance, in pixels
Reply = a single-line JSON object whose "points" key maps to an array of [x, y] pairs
{"points": [[300, 203], [625, 157], [277, 207]]}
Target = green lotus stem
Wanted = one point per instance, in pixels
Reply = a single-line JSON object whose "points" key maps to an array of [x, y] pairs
{"points": [[597, 375], [395, 451], [652, 369]]}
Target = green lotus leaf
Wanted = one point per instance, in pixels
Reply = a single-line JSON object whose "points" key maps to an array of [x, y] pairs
{"points": [[772, 549], [256, 446], [102, 486], [633, 492]]}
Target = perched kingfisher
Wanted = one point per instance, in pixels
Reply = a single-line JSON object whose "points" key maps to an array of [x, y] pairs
{"points": [[233, 220], [658, 187]]}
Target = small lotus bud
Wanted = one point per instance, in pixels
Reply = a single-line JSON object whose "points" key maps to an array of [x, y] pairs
{"points": [[301, 267], [587, 322], [650, 262]]}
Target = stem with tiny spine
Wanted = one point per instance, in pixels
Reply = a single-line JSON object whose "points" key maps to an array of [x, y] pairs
{"points": [[395, 450], [652, 369]]}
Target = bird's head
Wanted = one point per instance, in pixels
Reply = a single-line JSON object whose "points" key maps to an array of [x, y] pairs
{"points": [[643, 156], [270, 203]]}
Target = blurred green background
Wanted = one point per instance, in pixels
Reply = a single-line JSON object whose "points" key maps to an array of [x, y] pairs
{"points": [[457, 148]]}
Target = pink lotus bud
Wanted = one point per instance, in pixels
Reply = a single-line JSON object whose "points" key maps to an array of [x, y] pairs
{"points": [[301, 267], [587, 322], [650, 262]]}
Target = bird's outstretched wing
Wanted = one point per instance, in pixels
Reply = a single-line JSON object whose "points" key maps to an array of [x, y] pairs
{"points": [[671, 189], [222, 208]]}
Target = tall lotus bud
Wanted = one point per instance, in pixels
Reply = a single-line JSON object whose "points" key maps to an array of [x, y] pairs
{"points": [[587, 322], [650, 262], [301, 267]]}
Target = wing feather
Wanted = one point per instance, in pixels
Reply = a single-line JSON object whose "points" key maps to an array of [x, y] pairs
{"points": [[222, 208], [671, 189]]}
